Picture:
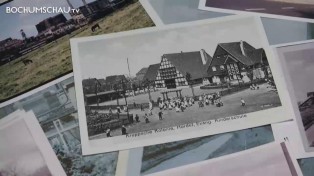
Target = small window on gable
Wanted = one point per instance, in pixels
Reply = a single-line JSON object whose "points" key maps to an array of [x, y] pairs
{"points": [[222, 67], [214, 68]]}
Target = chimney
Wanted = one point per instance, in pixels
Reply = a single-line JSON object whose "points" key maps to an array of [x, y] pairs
{"points": [[204, 60], [242, 48]]}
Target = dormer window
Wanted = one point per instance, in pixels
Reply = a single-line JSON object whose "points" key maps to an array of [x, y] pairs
{"points": [[214, 69], [222, 67]]}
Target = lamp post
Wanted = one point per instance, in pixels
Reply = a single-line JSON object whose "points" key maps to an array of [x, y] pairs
{"points": [[123, 86], [116, 89]]}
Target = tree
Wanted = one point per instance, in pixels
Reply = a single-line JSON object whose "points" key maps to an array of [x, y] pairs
{"points": [[97, 85], [188, 78], [147, 83]]}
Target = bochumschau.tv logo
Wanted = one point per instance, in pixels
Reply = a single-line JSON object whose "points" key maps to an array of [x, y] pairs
{"points": [[41, 10]]}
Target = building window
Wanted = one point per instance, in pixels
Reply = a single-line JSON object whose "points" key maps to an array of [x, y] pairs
{"points": [[222, 67], [214, 68]]}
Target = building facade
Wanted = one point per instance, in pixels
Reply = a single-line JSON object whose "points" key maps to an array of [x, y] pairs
{"points": [[238, 62], [175, 67]]}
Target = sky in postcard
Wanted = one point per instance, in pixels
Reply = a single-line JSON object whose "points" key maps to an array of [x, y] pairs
{"points": [[105, 57]]}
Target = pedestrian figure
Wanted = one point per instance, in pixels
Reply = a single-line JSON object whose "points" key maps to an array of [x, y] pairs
{"points": [[137, 118], [178, 108], [134, 104], [206, 101], [119, 109], [150, 108], [123, 130], [110, 111], [108, 133], [160, 115], [146, 118], [242, 102]]}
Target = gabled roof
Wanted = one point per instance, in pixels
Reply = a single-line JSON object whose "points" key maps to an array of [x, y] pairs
{"points": [[151, 72], [102, 81], [114, 78], [190, 62], [89, 82], [234, 49], [142, 71], [256, 55]]}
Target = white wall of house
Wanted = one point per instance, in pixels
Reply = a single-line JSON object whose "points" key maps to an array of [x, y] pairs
{"points": [[216, 79], [258, 73]]}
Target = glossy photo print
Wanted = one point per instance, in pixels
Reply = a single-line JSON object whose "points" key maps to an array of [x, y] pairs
{"points": [[24, 152], [35, 47], [55, 109], [196, 79], [299, 10], [278, 31], [272, 160], [298, 67]]}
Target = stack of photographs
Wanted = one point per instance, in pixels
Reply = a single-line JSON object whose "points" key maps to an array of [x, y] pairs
{"points": [[157, 87]]}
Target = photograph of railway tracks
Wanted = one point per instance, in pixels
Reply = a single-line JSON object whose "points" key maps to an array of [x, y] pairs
{"points": [[173, 80], [298, 65], [35, 47], [294, 9]]}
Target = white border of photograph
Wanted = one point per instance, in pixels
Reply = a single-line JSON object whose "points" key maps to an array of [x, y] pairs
{"points": [[202, 6], [254, 119], [288, 132], [290, 88], [234, 157], [151, 12], [39, 137]]}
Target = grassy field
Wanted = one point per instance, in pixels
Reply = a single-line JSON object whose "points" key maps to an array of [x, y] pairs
{"points": [[54, 59]]}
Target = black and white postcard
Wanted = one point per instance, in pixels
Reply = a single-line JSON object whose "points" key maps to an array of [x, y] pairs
{"points": [[298, 67], [300, 10], [24, 150], [182, 81]]}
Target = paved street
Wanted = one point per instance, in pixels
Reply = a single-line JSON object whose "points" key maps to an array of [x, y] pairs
{"points": [[256, 100], [278, 7]]}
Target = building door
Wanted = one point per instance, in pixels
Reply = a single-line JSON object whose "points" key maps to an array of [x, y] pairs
{"points": [[170, 83]]}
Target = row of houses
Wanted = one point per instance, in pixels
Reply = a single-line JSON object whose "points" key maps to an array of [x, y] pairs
{"points": [[235, 62], [232, 62]]}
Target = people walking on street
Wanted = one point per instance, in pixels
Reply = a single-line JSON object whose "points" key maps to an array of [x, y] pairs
{"points": [[123, 130], [137, 118], [160, 115], [242, 102], [108, 133]]}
